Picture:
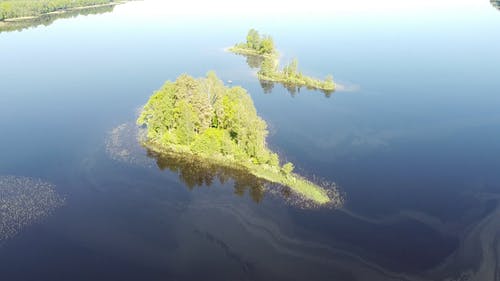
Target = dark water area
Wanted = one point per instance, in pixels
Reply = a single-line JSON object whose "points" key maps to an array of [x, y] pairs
{"points": [[411, 138]]}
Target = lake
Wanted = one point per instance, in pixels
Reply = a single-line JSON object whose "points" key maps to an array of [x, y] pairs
{"points": [[412, 140]]}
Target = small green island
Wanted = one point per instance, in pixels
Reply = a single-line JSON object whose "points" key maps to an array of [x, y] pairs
{"points": [[263, 47], [208, 121]]}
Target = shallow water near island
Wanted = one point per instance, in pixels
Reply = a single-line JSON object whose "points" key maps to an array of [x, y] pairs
{"points": [[411, 139]]}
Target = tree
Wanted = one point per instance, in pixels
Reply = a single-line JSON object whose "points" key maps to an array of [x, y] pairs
{"points": [[18, 8], [268, 68], [266, 45], [253, 39], [205, 117], [287, 168], [290, 70], [173, 118], [274, 159], [5, 10], [186, 120], [263, 47]]}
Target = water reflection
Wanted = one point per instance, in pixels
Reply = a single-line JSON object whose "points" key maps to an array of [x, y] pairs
{"points": [[123, 144], [495, 3], [48, 19], [267, 87], [254, 62], [126, 213], [196, 173]]}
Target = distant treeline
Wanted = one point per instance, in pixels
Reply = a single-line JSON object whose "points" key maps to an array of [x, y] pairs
{"points": [[48, 19], [28, 8]]}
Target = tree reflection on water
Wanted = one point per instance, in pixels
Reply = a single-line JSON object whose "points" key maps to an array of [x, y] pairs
{"points": [[197, 173], [255, 62], [48, 19]]}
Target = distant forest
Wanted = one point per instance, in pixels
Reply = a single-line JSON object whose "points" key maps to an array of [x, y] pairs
{"points": [[29, 8]]}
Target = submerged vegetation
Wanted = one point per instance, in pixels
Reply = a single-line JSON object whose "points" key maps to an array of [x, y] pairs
{"points": [[203, 118], [13, 9], [263, 47], [23, 202]]}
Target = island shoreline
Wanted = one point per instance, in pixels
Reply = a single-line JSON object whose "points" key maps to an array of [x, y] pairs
{"points": [[58, 12], [202, 119], [312, 192], [278, 76]]}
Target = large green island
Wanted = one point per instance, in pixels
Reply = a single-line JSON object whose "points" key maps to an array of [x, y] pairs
{"points": [[204, 119], [263, 47]]}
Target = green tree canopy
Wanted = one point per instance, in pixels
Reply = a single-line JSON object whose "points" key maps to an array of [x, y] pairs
{"points": [[253, 39], [206, 116], [29, 8], [290, 76], [266, 45], [203, 119]]}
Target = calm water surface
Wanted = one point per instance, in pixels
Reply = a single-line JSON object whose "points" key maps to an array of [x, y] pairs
{"points": [[412, 140]]}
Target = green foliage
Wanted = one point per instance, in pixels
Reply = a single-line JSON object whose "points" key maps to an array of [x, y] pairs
{"points": [[291, 69], [288, 168], [48, 19], [256, 44], [268, 68], [266, 45], [184, 113], [253, 39], [212, 142], [205, 120], [206, 117], [29, 8], [328, 83], [274, 159], [5, 10], [290, 76]]}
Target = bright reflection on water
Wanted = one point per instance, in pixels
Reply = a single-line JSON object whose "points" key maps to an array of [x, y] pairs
{"points": [[413, 144]]}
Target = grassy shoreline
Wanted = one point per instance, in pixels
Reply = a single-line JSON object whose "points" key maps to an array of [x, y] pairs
{"points": [[204, 121], [252, 52], [303, 187], [313, 84], [275, 75], [58, 12]]}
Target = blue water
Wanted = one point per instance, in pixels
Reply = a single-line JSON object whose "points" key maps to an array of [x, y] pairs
{"points": [[412, 140]]}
